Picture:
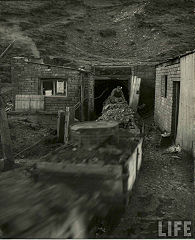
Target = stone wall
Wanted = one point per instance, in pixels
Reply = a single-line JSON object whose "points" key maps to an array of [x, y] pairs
{"points": [[27, 75], [164, 105]]}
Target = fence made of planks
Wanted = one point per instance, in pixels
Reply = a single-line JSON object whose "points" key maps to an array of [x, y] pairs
{"points": [[29, 102]]}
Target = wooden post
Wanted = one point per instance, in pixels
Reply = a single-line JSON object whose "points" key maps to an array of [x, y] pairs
{"points": [[134, 92], [60, 126], [91, 97], [5, 138], [66, 128], [69, 119], [82, 98], [137, 157], [72, 115]]}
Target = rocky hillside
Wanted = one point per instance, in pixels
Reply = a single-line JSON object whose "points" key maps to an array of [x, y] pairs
{"points": [[88, 31]]}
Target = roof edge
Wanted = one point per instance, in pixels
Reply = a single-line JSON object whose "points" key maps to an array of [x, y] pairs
{"points": [[177, 57]]}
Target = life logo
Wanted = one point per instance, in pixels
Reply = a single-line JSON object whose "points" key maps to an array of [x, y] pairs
{"points": [[173, 229]]}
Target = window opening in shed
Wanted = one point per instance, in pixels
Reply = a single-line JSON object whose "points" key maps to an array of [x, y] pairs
{"points": [[55, 87], [164, 86]]}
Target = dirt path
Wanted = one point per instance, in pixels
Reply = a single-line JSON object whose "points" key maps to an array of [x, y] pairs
{"points": [[163, 191]]}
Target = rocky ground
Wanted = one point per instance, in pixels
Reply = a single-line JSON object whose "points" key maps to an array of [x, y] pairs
{"points": [[30, 140], [163, 191], [164, 187]]}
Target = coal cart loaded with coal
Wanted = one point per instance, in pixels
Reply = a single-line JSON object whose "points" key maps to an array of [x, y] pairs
{"points": [[79, 190], [116, 108]]}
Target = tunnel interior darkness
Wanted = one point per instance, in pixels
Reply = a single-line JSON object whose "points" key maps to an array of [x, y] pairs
{"points": [[103, 89]]}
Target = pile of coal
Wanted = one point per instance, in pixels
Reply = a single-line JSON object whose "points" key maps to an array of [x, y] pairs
{"points": [[116, 108]]}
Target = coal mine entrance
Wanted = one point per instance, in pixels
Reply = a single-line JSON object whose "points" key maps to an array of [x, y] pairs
{"points": [[103, 89]]}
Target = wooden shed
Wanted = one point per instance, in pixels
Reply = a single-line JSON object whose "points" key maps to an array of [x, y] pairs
{"points": [[186, 118], [46, 87], [175, 98]]}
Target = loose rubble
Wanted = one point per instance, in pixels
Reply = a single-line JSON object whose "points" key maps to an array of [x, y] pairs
{"points": [[173, 149], [116, 108]]}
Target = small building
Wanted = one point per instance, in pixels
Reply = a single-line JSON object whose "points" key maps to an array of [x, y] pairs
{"points": [[44, 89], [55, 87], [175, 99]]}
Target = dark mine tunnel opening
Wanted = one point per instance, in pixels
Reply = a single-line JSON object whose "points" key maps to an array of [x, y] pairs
{"points": [[103, 89]]}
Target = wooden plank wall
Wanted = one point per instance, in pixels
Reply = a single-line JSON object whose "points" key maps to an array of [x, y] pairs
{"points": [[134, 92], [186, 119], [134, 164], [132, 86], [29, 102]]}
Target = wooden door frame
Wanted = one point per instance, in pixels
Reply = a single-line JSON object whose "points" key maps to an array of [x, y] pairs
{"points": [[175, 108]]}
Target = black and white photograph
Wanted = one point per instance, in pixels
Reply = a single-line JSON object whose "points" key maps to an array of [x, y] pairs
{"points": [[97, 119]]}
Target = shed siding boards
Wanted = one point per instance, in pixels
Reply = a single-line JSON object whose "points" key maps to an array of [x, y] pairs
{"points": [[180, 69], [186, 121], [27, 77], [163, 105]]}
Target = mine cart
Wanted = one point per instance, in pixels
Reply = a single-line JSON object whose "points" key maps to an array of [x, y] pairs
{"points": [[77, 191], [81, 189]]}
